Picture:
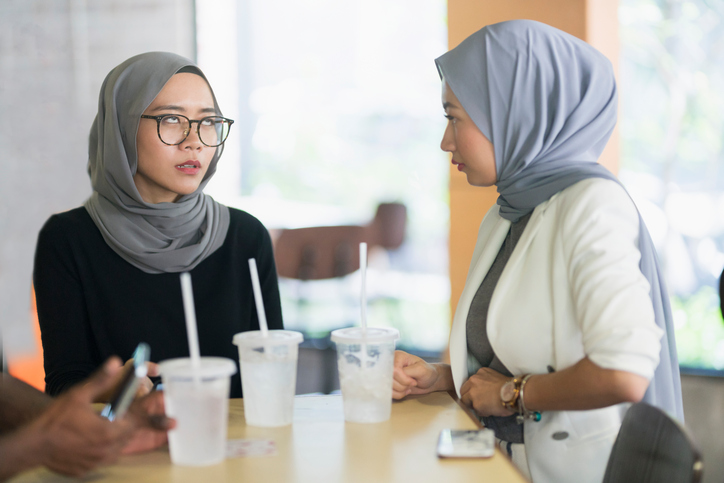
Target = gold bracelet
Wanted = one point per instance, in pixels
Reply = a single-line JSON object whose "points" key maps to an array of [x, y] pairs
{"points": [[523, 412]]}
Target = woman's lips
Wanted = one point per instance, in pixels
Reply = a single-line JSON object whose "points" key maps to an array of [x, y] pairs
{"points": [[459, 165], [189, 167]]}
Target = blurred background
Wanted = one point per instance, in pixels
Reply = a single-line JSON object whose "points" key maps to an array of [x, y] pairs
{"points": [[672, 133], [337, 109]]}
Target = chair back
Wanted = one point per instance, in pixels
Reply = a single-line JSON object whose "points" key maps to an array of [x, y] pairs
{"points": [[652, 447], [324, 252]]}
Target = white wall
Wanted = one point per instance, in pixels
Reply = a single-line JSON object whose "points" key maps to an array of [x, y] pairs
{"points": [[54, 55]]}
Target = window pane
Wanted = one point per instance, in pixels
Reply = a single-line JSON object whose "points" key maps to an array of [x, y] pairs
{"points": [[340, 111], [672, 67]]}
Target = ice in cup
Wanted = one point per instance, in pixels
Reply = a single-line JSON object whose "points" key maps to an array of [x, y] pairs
{"points": [[200, 406], [365, 360], [268, 375]]}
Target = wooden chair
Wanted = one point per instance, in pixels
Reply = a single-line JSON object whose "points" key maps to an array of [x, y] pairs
{"points": [[652, 447], [324, 252]]}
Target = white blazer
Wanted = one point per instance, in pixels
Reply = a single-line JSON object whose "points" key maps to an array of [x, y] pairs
{"points": [[572, 288]]}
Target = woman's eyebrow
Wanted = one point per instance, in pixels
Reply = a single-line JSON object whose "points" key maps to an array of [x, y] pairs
{"points": [[171, 107], [448, 105], [168, 108]]}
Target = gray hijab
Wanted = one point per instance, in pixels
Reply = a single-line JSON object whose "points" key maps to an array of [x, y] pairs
{"points": [[547, 102], [156, 238]]}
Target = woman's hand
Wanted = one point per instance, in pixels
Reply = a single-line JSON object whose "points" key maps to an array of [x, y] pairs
{"points": [[412, 375], [482, 393]]}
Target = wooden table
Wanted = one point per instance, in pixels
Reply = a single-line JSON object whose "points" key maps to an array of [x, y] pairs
{"points": [[320, 447]]}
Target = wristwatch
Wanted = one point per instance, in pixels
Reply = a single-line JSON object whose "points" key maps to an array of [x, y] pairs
{"points": [[509, 393]]}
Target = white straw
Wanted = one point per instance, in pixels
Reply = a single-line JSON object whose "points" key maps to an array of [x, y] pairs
{"points": [[258, 298], [191, 330], [363, 292]]}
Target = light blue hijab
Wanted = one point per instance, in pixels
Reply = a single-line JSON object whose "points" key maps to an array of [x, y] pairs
{"points": [[547, 101]]}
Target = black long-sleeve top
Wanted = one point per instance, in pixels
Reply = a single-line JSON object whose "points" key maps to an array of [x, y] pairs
{"points": [[93, 304]]}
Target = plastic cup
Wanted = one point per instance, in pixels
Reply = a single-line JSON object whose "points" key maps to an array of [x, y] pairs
{"points": [[365, 360], [268, 375], [200, 407]]}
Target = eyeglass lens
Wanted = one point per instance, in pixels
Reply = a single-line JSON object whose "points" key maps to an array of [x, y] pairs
{"points": [[212, 131]]}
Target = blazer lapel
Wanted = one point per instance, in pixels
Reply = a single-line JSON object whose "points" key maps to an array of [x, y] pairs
{"points": [[486, 249], [521, 247], [506, 279]]}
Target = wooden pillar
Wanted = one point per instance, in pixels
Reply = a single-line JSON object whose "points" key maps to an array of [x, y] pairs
{"points": [[594, 21]]}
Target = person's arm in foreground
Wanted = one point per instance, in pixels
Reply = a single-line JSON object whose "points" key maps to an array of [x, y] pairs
{"points": [[66, 434], [20, 403]]}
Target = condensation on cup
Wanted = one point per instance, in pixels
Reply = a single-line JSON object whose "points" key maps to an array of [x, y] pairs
{"points": [[200, 406], [268, 375], [365, 360]]}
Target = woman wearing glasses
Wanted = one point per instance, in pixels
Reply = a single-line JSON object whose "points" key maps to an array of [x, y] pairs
{"points": [[106, 274]]}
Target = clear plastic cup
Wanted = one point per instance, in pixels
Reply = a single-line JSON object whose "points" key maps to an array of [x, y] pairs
{"points": [[200, 407], [268, 375], [365, 360]]}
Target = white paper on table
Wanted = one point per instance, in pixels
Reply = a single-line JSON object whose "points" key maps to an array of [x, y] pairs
{"points": [[242, 448]]}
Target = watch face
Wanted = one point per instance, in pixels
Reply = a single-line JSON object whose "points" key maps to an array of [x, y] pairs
{"points": [[507, 392]]}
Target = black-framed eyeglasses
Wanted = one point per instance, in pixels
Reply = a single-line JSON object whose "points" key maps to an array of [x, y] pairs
{"points": [[173, 129]]}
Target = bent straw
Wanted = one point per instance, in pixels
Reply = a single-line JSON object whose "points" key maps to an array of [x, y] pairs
{"points": [[191, 329], [258, 298]]}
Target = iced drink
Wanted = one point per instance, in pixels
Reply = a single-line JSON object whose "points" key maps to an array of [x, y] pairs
{"points": [[365, 361], [268, 375], [200, 407]]}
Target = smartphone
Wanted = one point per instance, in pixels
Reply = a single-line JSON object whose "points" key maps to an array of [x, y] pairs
{"points": [[123, 397], [476, 443]]}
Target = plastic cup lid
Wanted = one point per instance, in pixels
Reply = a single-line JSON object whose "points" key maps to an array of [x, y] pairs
{"points": [[211, 367], [355, 335], [254, 338]]}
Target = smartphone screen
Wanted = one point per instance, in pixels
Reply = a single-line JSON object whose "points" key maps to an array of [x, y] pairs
{"points": [[129, 385], [476, 443]]}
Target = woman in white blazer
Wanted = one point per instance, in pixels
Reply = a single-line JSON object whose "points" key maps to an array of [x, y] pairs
{"points": [[564, 319]]}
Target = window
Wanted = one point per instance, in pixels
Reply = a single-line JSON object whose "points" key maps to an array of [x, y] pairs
{"points": [[338, 110], [672, 68]]}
